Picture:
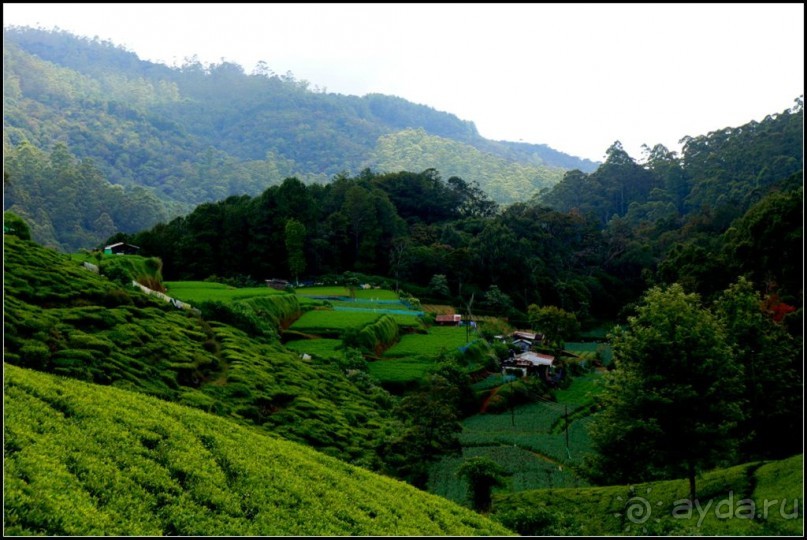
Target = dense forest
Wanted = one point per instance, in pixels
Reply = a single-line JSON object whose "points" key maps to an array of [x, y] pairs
{"points": [[591, 245], [173, 138], [694, 262]]}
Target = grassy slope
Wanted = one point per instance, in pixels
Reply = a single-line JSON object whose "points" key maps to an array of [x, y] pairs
{"points": [[83, 459], [61, 318], [728, 498]]}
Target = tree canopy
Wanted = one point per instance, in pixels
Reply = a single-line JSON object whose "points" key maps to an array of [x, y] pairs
{"points": [[673, 402]]}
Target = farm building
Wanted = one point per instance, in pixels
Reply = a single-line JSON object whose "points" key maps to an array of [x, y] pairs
{"points": [[121, 248], [532, 337], [451, 319], [530, 363], [279, 284], [522, 344], [535, 359]]}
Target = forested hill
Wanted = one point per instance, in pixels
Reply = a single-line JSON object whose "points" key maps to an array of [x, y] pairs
{"points": [[200, 133]]}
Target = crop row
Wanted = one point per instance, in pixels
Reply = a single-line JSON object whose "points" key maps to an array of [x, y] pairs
{"points": [[523, 468]]}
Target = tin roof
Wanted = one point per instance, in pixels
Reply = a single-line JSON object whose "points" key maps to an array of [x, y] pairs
{"points": [[536, 359]]}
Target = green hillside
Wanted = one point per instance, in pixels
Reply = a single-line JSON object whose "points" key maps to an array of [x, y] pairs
{"points": [[82, 459], [62, 318], [754, 499], [507, 181]]}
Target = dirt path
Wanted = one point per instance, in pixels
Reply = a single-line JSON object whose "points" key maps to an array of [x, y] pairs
{"points": [[484, 407], [546, 458]]}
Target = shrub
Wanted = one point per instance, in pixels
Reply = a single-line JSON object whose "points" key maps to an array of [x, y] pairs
{"points": [[34, 355], [494, 327], [538, 521], [373, 337], [115, 298], [14, 224], [118, 274], [237, 315]]}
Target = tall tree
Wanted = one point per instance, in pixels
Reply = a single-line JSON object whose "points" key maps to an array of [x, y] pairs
{"points": [[767, 243], [438, 286], [429, 430], [772, 362], [673, 402], [472, 200], [295, 242], [555, 323]]}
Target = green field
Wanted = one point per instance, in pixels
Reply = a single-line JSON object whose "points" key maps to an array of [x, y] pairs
{"points": [[401, 370], [194, 292], [491, 381], [581, 391], [525, 470], [409, 359], [439, 338], [529, 442], [367, 304], [532, 427], [581, 346], [326, 320], [597, 333]]}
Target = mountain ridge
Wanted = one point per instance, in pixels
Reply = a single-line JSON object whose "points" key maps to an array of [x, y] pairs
{"points": [[174, 138]]}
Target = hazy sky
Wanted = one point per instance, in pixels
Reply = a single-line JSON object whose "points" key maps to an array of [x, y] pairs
{"points": [[576, 77]]}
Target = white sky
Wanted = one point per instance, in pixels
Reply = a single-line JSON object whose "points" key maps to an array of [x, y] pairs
{"points": [[576, 77]]}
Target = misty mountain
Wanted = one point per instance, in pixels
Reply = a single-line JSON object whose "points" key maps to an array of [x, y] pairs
{"points": [[175, 137]]}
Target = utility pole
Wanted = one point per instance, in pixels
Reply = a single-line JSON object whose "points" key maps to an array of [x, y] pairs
{"points": [[470, 318], [567, 431]]}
